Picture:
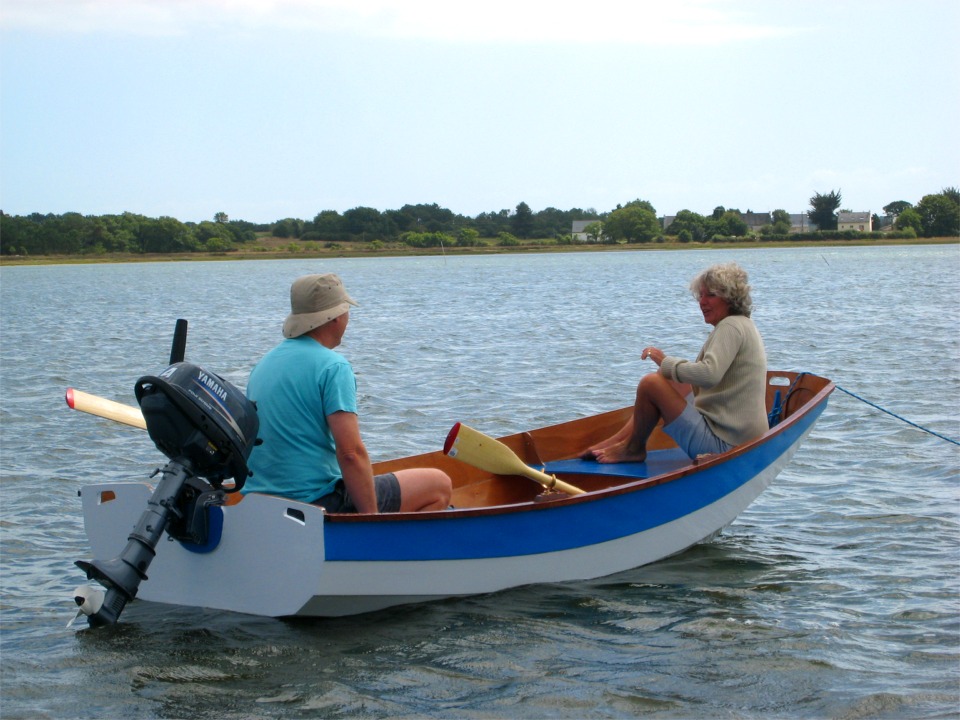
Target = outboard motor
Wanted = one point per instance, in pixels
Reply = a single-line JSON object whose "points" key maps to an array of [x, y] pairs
{"points": [[207, 428]]}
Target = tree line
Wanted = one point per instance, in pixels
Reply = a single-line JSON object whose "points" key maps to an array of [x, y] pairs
{"points": [[76, 234], [935, 215]]}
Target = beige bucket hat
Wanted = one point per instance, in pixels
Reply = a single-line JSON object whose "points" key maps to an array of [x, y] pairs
{"points": [[314, 301]]}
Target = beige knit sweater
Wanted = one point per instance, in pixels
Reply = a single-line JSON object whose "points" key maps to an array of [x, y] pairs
{"points": [[729, 380]]}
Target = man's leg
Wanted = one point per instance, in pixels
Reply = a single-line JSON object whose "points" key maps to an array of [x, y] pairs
{"points": [[423, 489]]}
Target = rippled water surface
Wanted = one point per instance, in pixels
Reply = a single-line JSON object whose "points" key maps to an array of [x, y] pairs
{"points": [[835, 595]]}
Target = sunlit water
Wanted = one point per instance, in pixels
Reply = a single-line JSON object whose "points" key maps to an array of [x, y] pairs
{"points": [[835, 595]]}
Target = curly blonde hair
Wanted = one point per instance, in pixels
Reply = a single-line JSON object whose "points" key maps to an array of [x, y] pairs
{"points": [[729, 281]]}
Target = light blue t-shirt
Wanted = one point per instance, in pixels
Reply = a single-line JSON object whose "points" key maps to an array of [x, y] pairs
{"points": [[296, 386]]}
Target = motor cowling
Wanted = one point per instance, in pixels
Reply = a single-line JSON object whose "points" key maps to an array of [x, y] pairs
{"points": [[196, 415]]}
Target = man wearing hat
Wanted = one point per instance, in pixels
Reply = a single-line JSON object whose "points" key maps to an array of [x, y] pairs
{"points": [[306, 397]]}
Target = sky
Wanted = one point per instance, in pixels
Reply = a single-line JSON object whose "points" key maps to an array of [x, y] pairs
{"points": [[267, 109]]}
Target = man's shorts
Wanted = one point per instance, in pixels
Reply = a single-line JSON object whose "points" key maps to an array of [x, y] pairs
{"points": [[388, 496], [691, 432]]}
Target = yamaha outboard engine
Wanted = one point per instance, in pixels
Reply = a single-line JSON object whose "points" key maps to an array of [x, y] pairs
{"points": [[207, 428]]}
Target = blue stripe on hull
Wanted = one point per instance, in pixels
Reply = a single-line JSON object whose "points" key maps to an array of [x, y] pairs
{"points": [[550, 528]]}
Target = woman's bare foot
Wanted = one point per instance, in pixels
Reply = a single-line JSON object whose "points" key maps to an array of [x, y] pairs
{"points": [[591, 453], [620, 453]]}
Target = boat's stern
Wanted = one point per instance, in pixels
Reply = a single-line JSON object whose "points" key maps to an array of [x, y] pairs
{"points": [[264, 556]]}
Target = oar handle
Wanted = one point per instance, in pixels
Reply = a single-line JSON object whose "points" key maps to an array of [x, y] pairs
{"points": [[474, 448], [101, 407]]}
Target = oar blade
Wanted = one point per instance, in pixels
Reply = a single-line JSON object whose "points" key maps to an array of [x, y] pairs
{"points": [[474, 448], [484, 452]]}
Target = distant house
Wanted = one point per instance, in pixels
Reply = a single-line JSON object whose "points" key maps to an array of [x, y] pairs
{"points": [[755, 221], [860, 221], [800, 223], [579, 230]]}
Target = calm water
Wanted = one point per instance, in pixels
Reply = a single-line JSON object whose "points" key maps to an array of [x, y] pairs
{"points": [[835, 595]]}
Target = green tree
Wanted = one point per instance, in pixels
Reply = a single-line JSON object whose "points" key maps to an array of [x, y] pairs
{"points": [[15, 234], [896, 207], [824, 212], [287, 228], [909, 218], [328, 225], [730, 224], [367, 223], [774, 230], [633, 223], [421, 218], [553, 222], [522, 221], [594, 231], [781, 222], [690, 224], [219, 245], [468, 237], [244, 231], [221, 217], [940, 215], [214, 235], [642, 204], [490, 224], [165, 235]]}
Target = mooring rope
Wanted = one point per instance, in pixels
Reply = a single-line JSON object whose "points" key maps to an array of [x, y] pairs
{"points": [[898, 417]]}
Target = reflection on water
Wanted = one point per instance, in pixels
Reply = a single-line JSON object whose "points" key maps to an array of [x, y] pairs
{"points": [[835, 595]]}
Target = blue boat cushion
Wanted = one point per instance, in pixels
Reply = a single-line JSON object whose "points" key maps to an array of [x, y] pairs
{"points": [[657, 463]]}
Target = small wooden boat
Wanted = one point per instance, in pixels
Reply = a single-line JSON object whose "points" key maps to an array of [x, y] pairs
{"points": [[270, 556]]}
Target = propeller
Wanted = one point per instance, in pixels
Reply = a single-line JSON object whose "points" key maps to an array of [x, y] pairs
{"points": [[89, 600]]}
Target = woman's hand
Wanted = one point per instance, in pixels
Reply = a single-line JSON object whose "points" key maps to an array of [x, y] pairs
{"points": [[652, 353]]}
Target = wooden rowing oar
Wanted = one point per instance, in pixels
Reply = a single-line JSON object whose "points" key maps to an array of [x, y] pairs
{"points": [[101, 407], [474, 448]]}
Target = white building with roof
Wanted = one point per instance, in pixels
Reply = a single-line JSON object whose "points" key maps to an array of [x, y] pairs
{"points": [[859, 221]]}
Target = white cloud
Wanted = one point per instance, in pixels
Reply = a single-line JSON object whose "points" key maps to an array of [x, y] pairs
{"points": [[642, 22]]}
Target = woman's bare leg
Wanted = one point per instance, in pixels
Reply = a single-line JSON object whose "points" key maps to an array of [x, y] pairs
{"points": [[657, 398]]}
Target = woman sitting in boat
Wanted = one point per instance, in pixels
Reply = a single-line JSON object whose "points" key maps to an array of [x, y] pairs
{"points": [[710, 405]]}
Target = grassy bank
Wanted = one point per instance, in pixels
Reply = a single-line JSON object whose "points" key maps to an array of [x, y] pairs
{"points": [[285, 249]]}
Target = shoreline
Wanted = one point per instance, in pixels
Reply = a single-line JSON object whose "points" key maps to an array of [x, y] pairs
{"points": [[360, 251]]}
